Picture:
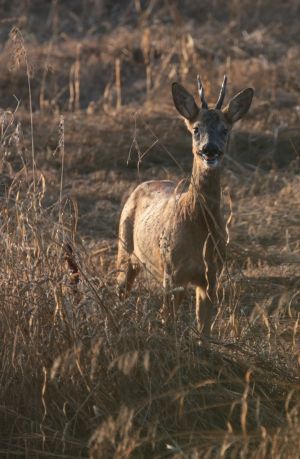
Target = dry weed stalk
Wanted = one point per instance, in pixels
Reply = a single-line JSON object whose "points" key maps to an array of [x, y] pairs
{"points": [[118, 83], [147, 53], [74, 82], [19, 54], [44, 103]]}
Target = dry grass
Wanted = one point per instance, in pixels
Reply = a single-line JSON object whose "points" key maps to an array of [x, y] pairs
{"points": [[83, 374]]}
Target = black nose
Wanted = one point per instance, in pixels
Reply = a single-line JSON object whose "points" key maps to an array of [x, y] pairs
{"points": [[210, 149]]}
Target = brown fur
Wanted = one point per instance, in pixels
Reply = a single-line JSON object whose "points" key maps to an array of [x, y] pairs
{"points": [[180, 236]]}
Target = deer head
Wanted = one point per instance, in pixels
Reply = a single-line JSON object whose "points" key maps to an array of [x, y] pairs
{"points": [[210, 127]]}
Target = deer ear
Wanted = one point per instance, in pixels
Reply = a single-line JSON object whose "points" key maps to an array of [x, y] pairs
{"points": [[239, 105], [184, 102]]}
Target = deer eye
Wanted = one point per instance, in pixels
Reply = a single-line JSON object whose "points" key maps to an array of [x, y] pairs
{"points": [[196, 130]]}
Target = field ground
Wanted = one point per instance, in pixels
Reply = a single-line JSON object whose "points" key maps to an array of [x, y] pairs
{"points": [[82, 373]]}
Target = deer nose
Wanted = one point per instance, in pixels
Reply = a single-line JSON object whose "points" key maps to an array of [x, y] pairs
{"points": [[210, 149]]}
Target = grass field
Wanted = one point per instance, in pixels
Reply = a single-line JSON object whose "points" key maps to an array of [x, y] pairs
{"points": [[85, 115]]}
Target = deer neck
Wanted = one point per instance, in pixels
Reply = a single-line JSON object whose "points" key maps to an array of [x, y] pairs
{"points": [[204, 192]]}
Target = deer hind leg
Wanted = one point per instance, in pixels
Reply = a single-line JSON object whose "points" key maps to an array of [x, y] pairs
{"points": [[126, 278], [205, 298], [127, 269]]}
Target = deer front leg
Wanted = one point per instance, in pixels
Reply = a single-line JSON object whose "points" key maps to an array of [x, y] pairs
{"points": [[172, 297], [205, 298], [166, 307]]}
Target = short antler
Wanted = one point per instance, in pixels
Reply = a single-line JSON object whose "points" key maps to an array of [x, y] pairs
{"points": [[201, 93], [222, 94]]}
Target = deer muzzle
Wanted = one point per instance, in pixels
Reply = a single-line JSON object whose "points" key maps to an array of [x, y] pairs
{"points": [[211, 155]]}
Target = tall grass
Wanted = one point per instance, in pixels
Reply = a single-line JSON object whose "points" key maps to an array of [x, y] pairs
{"points": [[85, 375]]}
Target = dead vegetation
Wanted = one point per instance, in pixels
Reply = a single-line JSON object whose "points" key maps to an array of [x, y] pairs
{"points": [[83, 374]]}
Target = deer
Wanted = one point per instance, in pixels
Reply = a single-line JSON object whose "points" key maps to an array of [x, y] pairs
{"points": [[179, 235]]}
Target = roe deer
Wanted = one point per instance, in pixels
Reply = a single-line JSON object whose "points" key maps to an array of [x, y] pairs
{"points": [[179, 236]]}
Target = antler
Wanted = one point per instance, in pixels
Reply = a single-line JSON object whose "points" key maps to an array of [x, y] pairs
{"points": [[201, 93], [222, 94]]}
